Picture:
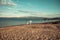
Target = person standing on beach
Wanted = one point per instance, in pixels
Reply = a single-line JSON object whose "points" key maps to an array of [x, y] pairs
{"points": [[27, 22], [30, 22]]}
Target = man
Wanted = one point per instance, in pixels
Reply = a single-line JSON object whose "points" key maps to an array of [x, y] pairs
{"points": [[30, 22]]}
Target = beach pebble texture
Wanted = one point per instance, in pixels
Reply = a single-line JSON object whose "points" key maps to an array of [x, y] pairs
{"points": [[31, 32]]}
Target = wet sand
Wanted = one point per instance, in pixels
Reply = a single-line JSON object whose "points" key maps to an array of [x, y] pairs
{"points": [[44, 31]]}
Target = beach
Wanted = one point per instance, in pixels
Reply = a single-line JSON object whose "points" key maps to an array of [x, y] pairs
{"points": [[29, 19], [42, 31]]}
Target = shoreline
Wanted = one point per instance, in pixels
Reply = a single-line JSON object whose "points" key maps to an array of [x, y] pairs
{"points": [[55, 22], [38, 31]]}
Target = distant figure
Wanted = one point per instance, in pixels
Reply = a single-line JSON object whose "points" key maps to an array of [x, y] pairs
{"points": [[29, 22]]}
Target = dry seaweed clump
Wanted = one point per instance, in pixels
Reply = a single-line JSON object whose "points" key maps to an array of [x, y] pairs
{"points": [[34, 32]]}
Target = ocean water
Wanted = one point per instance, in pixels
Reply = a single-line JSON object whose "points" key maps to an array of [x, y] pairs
{"points": [[19, 21]]}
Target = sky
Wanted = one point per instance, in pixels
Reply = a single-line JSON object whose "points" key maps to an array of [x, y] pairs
{"points": [[25, 8]]}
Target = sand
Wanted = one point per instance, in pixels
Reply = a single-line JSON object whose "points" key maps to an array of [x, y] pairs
{"points": [[31, 32]]}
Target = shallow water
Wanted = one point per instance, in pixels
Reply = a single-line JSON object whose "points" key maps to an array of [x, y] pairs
{"points": [[19, 21]]}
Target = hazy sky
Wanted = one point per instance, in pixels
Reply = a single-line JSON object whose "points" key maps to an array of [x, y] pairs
{"points": [[22, 8]]}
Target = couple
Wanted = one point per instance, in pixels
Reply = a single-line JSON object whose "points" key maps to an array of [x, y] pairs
{"points": [[29, 22]]}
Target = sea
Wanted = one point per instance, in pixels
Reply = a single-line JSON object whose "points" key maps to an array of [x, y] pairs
{"points": [[20, 21]]}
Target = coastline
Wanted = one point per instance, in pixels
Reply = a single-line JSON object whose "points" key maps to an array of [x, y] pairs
{"points": [[38, 31], [55, 22]]}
